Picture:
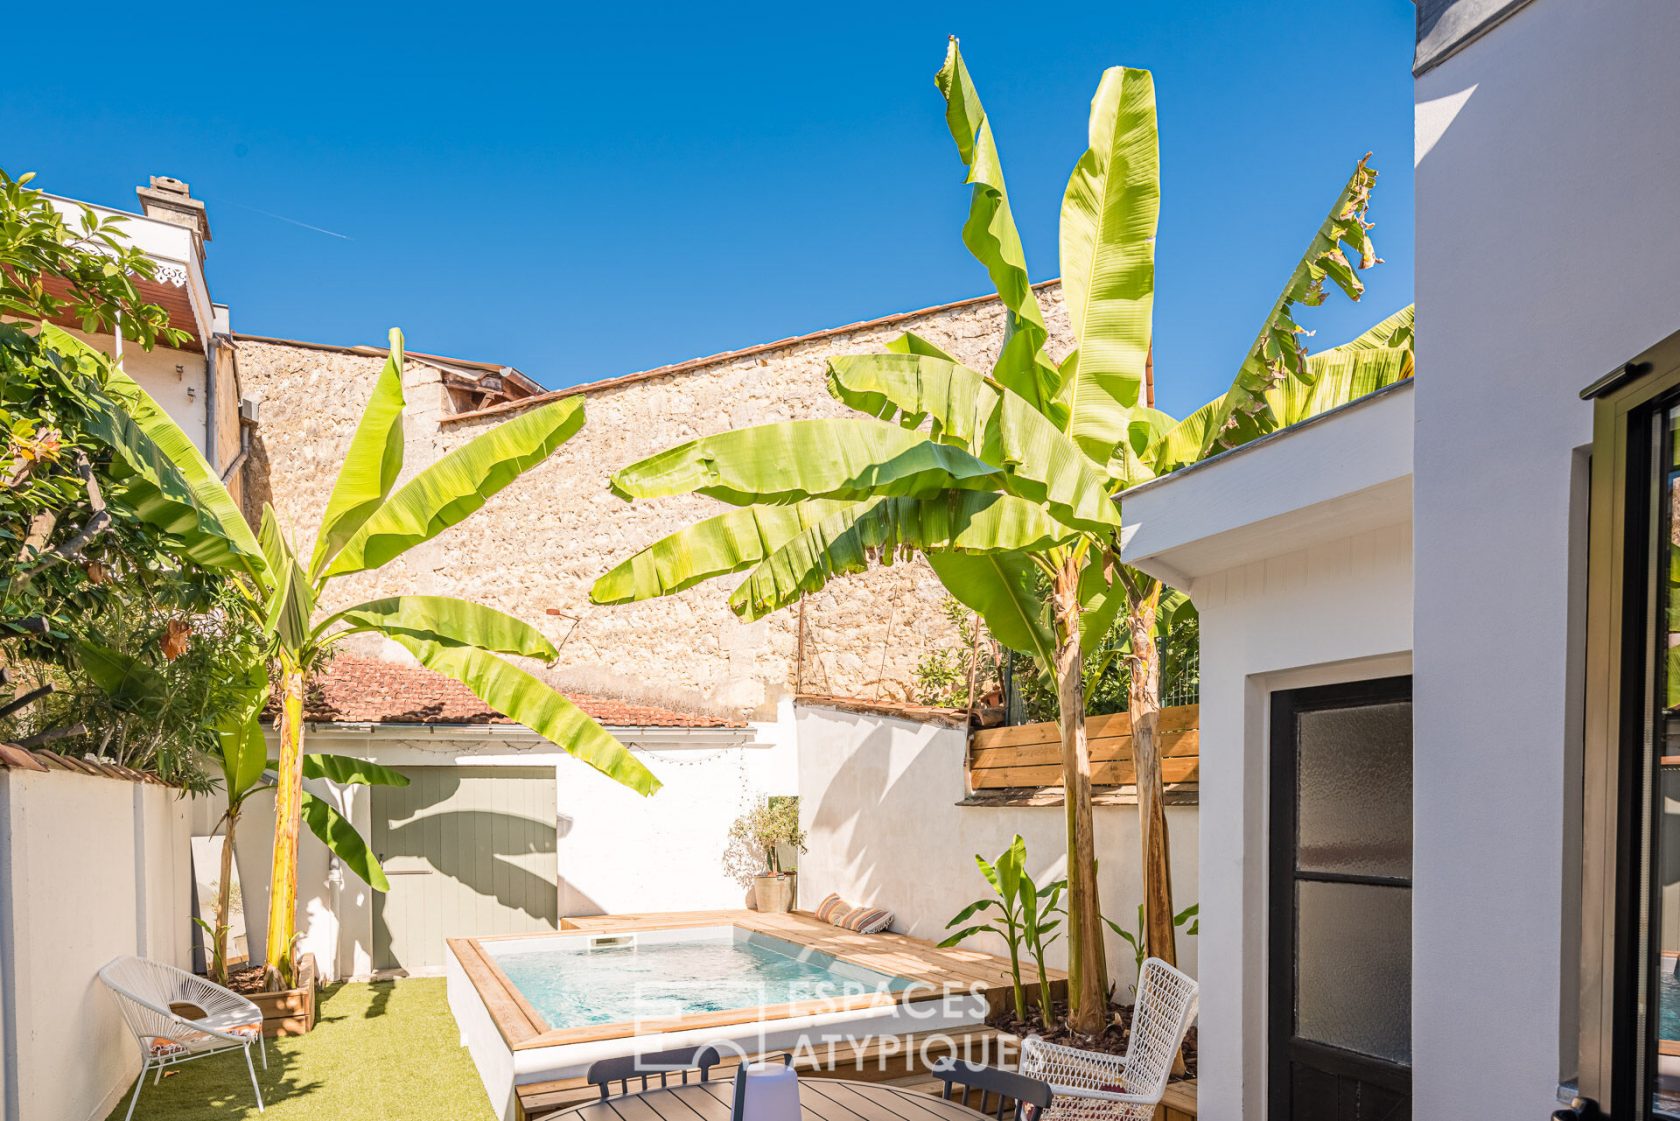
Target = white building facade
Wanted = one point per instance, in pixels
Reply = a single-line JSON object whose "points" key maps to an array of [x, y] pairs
{"points": [[1485, 556]]}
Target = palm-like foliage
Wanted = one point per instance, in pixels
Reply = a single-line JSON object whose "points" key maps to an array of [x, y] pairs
{"points": [[1010, 481], [369, 520]]}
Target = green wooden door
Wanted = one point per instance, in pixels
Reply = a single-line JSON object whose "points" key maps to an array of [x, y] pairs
{"points": [[469, 851]]}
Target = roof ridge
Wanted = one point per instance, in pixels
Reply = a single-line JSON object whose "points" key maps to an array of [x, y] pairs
{"points": [[688, 365]]}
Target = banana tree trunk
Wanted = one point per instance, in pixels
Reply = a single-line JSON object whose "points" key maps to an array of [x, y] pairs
{"points": [[1087, 964], [1144, 706], [288, 816], [224, 901]]}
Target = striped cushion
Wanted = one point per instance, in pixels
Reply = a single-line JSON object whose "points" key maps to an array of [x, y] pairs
{"points": [[864, 920], [832, 906]]}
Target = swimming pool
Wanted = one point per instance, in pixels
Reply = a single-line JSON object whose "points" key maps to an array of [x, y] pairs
{"points": [[541, 1008], [666, 975]]}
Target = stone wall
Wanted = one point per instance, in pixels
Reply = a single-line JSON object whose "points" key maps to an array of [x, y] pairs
{"points": [[537, 547]]}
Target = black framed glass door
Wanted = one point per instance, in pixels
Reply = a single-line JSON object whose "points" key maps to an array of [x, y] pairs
{"points": [[1646, 1025], [1339, 995]]}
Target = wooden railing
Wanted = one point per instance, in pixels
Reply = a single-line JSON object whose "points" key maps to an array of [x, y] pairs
{"points": [[1029, 756]]}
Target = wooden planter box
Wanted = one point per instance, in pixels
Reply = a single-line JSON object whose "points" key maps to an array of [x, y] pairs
{"points": [[290, 1011]]}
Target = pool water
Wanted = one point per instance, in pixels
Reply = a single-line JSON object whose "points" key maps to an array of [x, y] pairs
{"points": [[572, 985]]}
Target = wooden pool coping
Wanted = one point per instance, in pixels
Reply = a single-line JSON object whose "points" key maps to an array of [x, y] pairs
{"points": [[932, 970]]}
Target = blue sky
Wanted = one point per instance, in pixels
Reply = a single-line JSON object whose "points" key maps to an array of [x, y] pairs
{"points": [[586, 193]]}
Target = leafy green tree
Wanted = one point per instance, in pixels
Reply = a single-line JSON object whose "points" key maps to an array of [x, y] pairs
{"points": [[1006, 479], [69, 545]]}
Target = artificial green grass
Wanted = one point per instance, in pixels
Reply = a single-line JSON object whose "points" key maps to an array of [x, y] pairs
{"points": [[387, 1051]]}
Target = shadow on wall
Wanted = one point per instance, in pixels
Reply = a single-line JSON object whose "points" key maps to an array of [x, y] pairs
{"points": [[886, 831], [256, 479], [471, 846], [860, 796]]}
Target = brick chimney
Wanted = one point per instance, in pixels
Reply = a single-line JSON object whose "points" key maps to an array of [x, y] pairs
{"points": [[170, 200]]}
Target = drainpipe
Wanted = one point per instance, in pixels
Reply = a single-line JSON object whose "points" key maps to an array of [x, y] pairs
{"points": [[246, 423], [210, 399]]}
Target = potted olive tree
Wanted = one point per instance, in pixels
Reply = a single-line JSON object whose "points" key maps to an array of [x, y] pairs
{"points": [[760, 842]]}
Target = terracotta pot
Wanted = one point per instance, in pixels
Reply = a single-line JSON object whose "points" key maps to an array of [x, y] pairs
{"points": [[290, 1011], [773, 893]]}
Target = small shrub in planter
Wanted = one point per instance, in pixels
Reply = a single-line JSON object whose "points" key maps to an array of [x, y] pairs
{"points": [[757, 841]]}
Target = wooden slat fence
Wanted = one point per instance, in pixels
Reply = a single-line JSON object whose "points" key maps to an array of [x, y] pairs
{"points": [[1030, 755]]}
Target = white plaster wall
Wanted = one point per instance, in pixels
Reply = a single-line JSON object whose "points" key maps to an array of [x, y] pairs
{"points": [[1339, 611], [878, 796], [91, 868], [1547, 255], [616, 851], [176, 379]]}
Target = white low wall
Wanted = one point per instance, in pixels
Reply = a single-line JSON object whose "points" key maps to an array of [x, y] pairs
{"points": [[878, 796], [91, 868]]}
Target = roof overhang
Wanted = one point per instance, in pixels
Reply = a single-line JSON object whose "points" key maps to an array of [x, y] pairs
{"points": [[179, 287], [519, 737], [1336, 475]]}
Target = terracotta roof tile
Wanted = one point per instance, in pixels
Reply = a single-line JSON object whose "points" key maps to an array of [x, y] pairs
{"points": [[15, 758], [358, 690]]}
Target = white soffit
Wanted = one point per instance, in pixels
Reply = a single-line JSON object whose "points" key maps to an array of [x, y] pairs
{"points": [[1343, 473]]}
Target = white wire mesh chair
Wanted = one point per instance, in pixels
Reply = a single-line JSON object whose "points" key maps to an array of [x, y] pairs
{"points": [[145, 990], [1095, 1086]]}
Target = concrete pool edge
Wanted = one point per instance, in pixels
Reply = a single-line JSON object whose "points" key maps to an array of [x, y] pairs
{"points": [[522, 1027]]}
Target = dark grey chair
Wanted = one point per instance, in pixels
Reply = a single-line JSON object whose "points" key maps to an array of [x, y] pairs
{"points": [[1019, 1098], [662, 1064]]}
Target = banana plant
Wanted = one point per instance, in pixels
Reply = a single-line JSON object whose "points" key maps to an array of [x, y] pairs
{"points": [[1041, 914], [369, 520], [242, 753], [1009, 482], [1187, 919], [1002, 913]]}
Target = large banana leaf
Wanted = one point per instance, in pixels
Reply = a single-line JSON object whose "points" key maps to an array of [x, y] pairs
{"points": [[244, 752], [799, 459], [991, 236], [1102, 596], [1039, 462], [1339, 376], [522, 697], [1133, 459], [1003, 588], [292, 600], [458, 484], [1183, 442], [1395, 331], [730, 542], [911, 343], [169, 484], [911, 388], [372, 464], [849, 541], [347, 771], [1109, 217], [342, 839], [1045, 466], [451, 622], [1378, 357], [1277, 354]]}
